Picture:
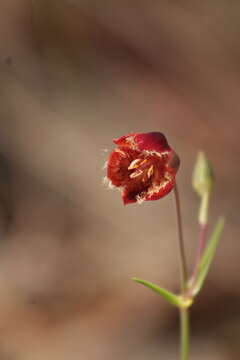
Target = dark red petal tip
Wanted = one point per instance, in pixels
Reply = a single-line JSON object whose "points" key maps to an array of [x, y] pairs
{"points": [[173, 162], [153, 141]]}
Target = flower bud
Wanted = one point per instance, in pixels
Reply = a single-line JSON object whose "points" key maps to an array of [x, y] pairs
{"points": [[202, 179]]}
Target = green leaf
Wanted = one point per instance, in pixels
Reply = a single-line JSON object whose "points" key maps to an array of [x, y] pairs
{"points": [[167, 295], [208, 256]]}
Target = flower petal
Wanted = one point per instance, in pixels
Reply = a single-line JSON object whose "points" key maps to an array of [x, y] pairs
{"points": [[118, 164], [157, 192], [125, 140], [134, 192], [153, 141]]}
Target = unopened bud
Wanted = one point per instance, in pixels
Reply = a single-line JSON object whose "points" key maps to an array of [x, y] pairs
{"points": [[202, 179]]}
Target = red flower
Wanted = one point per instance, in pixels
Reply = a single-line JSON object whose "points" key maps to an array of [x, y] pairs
{"points": [[143, 166]]}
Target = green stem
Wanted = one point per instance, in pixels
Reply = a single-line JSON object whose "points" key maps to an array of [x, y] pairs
{"points": [[203, 211], [203, 225], [185, 332], [182, 260], [184, 314], [200, 250]]}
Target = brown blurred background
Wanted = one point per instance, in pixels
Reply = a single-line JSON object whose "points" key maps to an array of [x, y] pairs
{"points": [[74, 75]]}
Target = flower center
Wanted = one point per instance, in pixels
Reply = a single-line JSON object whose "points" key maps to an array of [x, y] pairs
{"points": [[143, 168]]}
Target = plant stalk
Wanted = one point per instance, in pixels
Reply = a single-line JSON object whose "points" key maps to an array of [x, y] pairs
{"points": [[184, 313], [203, 227], [182, 259], [185, 332], [200, 250]]}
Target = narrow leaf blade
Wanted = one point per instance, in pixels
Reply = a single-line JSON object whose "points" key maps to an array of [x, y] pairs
{"points": [[208, 256], [166, 294]]}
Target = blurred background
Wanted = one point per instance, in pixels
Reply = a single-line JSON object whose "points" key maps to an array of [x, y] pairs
{"points": [[74, 74]]}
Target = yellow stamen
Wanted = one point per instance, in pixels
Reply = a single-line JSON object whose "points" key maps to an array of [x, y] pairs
{"points": [[134, 164], [136, 174], [150, 171], [121, 152]]}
